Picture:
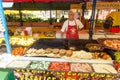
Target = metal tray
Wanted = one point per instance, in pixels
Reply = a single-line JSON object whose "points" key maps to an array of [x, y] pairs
{"points": [[101, 41], [80, 43], [99, 47]]}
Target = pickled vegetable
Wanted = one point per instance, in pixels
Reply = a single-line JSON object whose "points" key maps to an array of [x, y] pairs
{"points": [[59, 66], [42, 65]]}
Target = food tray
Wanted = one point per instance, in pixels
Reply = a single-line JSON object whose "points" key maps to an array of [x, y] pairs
{"points": [[93, 47], [18, 64], [101, 41], [81, 67], [80, 43], [59, 66], [39, 65], [104, 68]]}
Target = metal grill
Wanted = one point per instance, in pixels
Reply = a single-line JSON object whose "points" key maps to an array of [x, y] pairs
{"points": [[61, 43]]}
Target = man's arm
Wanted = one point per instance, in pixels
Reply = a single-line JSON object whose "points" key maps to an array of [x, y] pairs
{"points": [[63, 28], [80, 25]]}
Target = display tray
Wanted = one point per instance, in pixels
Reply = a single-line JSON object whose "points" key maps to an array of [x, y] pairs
{"points": [[39, 65], [63, 66], [18, 64], [80, 43], [93, 47], [112, 44], [81, 67]]}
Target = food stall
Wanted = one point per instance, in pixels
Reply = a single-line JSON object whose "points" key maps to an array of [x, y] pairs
{"points": [[63, 59]]}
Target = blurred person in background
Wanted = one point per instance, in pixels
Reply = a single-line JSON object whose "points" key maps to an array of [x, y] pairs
{"points": [[71, 26]]}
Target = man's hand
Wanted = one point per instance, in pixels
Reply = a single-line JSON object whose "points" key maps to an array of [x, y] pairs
{"points": [[62, 34]]}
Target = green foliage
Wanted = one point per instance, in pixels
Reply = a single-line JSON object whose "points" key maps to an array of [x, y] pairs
{"points": [[27, 19], [63, 19], [52, 19]]}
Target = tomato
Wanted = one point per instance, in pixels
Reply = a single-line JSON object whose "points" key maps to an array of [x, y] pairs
{"points": [[115, 63]]}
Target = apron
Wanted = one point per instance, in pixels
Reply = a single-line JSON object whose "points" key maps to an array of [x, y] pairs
{"points": [[72, 32]]}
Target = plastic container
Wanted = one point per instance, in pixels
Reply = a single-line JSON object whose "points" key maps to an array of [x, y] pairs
{"points": [[114, 30]]}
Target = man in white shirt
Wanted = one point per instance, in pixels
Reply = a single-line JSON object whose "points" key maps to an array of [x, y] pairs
{"points": [[71, 26]]}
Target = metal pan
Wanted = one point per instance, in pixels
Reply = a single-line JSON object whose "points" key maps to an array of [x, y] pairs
{"points": [[101, 41]]}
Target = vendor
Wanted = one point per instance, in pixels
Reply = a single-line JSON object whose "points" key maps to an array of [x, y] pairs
{"points": [[71, 26]]}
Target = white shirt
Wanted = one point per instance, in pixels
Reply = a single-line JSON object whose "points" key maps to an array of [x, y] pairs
{"points": [[72, 23]]}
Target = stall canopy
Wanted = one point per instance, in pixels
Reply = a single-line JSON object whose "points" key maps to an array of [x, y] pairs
{"points": [[42, 4], [47, 4], [42, 0], [56, 0]]}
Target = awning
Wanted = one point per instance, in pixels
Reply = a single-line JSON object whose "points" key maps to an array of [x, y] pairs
{"points": [[42, 0], [41, 6], [57, 0]]}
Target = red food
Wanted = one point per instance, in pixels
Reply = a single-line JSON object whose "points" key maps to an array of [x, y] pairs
{"points": [[116, 65], [62, 66], [18, 51]]}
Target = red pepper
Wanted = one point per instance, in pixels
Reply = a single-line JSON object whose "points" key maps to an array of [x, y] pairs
{"points": [[117, 65]]}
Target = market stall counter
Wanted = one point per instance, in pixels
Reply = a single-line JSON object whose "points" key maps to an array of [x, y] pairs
{"points": [[64, 59], [40, 68]]}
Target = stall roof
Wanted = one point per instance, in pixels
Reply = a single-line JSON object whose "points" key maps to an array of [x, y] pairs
{"points": [[41, 6], [55, 0], [45, 4], [42, 0]]}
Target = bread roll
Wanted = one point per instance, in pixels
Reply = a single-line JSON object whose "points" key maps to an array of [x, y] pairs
{"points": [[62, 52], [69, 53], [55, 50], [48, 50]]}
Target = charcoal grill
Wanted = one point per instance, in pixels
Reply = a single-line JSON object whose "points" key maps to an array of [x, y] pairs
{"points": [[61, 43], [79, 44]]}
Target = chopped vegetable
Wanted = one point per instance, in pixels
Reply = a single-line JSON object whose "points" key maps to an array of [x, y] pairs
{"points": [[59, 66], [43, 65], [18, 51]]}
